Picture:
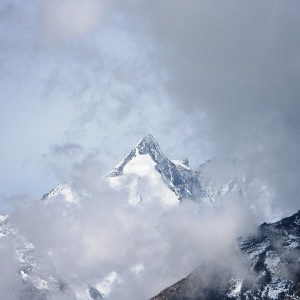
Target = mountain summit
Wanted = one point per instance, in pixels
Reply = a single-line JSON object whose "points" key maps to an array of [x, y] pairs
{"points": [[147, 145], [176, 174]]}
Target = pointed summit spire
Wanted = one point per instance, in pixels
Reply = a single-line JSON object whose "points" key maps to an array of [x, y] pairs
{"points": [[148, 145], [147, 139]]}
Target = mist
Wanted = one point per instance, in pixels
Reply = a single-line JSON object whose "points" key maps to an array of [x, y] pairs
{"points": [[141, 248]]}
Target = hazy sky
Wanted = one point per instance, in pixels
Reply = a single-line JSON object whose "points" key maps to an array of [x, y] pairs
{"points": [[77, 78], [82, 81], [90, 78]]}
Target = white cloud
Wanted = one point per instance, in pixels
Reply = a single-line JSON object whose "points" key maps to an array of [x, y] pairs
{"points": [[140, 249]]}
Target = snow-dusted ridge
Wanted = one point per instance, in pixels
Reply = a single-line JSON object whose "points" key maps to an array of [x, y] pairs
{"points": [[274, 269], [64, 190]]}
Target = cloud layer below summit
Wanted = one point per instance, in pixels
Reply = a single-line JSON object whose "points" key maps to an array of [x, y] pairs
{"points": [[145, 247]]}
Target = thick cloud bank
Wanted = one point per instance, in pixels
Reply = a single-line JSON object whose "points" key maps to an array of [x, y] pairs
{"points": [[140, 249]]}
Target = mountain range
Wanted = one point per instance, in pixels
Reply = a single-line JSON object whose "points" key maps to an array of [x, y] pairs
{"points": [[271, 256]]}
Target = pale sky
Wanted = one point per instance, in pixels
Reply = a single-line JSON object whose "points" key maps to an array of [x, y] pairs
{"points": [[90, 78], [78, 78]]}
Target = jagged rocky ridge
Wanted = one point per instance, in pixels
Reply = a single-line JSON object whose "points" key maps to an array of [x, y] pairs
{"points": [[273, 256]]}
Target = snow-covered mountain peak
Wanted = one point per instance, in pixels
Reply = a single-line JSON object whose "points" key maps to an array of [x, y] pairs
{"points": [[147, 145], [147, 140], [148, 158]]}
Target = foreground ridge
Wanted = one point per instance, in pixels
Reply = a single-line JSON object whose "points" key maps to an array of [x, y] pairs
{"points": [[273, 270]]}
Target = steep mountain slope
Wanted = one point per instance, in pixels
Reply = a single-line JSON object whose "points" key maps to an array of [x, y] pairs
{"points": [[273, 256]]}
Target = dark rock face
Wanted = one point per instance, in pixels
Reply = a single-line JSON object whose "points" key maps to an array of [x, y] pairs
{"points": [[94, 293], [198, 286], [173, 292], [273, 271]]}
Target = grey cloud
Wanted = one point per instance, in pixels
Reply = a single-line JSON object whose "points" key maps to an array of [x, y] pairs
{"points": [[233, 67], [66, 149], [92, 85], [10, 285], [62, 21], [102, 233]]}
